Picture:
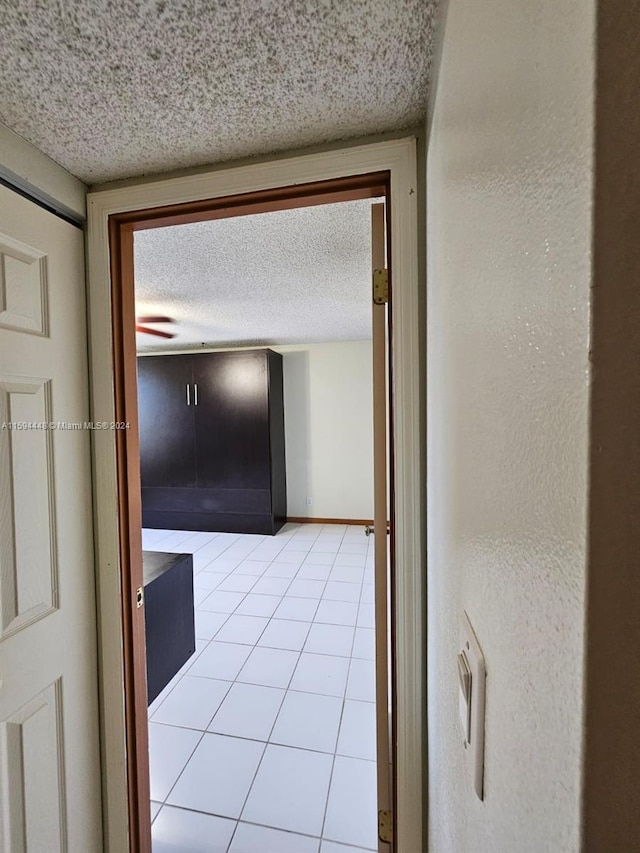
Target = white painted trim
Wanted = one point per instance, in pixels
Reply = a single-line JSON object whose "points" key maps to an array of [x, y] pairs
{"points": [[399, 158], [30, 170]]}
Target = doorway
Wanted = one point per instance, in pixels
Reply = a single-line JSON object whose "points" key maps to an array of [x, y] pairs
{"points": [[113, 210], [284, 624]]}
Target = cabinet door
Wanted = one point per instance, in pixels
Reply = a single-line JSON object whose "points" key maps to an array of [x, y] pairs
{"points": [[232, 420], [166, 416]]}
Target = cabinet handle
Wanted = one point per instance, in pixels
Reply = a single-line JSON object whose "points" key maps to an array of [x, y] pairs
{"points": [[188, 395], [195, 393]]}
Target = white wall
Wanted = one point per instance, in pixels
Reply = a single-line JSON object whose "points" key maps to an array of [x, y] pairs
{"points": [[328, 401], [509, 187]]}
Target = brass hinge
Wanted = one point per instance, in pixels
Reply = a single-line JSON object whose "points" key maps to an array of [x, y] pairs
{"points": [[380, 287], [385, 826], [139, 596]]}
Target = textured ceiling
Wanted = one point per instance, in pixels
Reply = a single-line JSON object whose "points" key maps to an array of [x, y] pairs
{"points": [[292, 276], [119, 88]]}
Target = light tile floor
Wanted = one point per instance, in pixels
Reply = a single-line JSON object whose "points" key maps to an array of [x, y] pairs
{"points": [[265, 741]]}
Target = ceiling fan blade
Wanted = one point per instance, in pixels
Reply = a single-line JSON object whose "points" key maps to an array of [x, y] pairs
{"points": [[145, 331], [154, 320]]}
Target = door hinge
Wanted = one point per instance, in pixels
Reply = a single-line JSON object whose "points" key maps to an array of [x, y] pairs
{"points": [[139, 597], [380, 287], [385, 826]]}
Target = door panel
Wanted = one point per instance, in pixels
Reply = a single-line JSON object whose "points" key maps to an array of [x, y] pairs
{"points": [[166, 421], [381, 550], [49, 737], [232, 428]]}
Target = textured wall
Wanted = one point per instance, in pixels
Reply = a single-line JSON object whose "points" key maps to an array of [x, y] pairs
{"points": [[509, 183], [328, 409]]}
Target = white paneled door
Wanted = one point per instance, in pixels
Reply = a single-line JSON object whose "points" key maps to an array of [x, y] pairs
{"points": [[49, 736]]}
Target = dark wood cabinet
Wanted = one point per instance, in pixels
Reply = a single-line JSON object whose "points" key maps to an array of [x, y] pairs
{"points": [[212, 441], [168, 616]]}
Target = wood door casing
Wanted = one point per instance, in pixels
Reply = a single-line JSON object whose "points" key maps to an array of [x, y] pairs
{"points": [[121, 222]]}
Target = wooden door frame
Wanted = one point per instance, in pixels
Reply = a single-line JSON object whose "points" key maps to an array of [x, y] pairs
{"points": [[113, 215]]}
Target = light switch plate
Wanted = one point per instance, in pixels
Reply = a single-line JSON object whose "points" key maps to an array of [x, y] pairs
{"points": [[474, 745]]}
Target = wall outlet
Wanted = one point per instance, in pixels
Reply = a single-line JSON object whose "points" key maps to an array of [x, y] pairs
{"points": [[309, 501]]}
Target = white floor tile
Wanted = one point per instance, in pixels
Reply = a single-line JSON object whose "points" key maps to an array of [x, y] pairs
{"points": [[261, 839], [174, 539], [199, 595], [258, 605], [237, 583], [329, 546], [339, 591], [272, 586], [190, 832], [252, 567], [362, 680], [218, 776], [347, 574], [321, 674], [308, 721], [169, 751], [354, 548], [290, 556], [242, 629], [278, 569], [203, 558], [364, 644], [151, 537], [330, 640], [332, 847], [155, 808], [221, 660], [298, 609], [306, 588], [276, 587], [222, 602], [270, 667], [367, 596], [208, 624], [249, 711], [303, 539], [284, 634], [350, 560], [316, 559], [267, 552], [225, 562], [313, 572], [366, 616], [290, 790], [352, 819], [192, 703], [153, 707], [337, 613], [358, 730], [208, 580]]}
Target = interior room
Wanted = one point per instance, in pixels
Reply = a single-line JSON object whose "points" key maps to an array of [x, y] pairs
{"points": [[255, 401], [508, 135]]}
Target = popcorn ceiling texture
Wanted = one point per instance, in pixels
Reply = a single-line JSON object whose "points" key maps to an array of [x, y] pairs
{"points": [[121, 88], [287, 277]]}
